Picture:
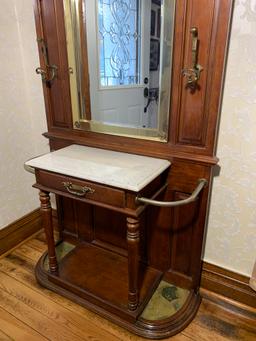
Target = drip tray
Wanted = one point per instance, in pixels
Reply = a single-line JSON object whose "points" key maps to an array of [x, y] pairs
{"points": [[166, 301]]}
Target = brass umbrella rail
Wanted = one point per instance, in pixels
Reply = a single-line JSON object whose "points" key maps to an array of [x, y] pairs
{"points": [[201, 184]]}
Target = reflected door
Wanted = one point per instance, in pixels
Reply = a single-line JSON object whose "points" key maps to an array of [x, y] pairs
{"points": [[119, 52]]}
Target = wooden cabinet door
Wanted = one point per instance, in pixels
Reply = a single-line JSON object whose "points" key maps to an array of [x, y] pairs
{"points": [[50, 27]]}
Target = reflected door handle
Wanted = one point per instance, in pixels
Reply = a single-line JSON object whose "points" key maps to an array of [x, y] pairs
{"points": [[146, 95], [146, 107], [146, 92]]}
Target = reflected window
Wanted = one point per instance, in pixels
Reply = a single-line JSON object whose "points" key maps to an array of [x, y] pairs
{"points": [[119, 42]]}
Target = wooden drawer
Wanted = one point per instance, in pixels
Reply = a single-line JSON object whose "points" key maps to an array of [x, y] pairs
{"points": [[96, 192]]}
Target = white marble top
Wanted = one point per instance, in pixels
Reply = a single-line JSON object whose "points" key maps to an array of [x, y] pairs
{"points": [[122, 170]]}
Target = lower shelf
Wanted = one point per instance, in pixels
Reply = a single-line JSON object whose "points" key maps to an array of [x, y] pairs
{"points": [[97, 279], [101, 276]]}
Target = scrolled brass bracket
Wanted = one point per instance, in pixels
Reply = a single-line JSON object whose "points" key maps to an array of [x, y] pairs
{"points": [[193, 74]]}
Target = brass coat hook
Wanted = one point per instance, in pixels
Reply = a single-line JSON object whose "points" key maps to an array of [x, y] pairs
{"points": [[193, 74], [44, 74], [51, 70]]}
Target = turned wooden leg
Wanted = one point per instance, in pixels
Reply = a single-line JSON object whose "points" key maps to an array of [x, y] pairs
{"points": [[133, 239], [46, 211]]}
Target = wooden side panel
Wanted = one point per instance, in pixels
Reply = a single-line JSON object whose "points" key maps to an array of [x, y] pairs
{"points": [[175, 235], [184, 220], [192, 123], [194, 114], [159, 221], [66, 216], [51, 28], [84, 218], [110, 227], [75, 219]]}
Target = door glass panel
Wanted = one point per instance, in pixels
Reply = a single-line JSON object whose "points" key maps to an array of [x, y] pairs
{"points": [[119, 42]]}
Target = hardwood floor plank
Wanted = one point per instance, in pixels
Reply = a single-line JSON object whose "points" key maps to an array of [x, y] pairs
{"points": [[48, 308], [194, 331], [28, 252], [215, 324], [209, 309], [41, 236], [37, 245], [4, 337], [214, 329], [16, 330], [178, 337], [225, 323], [45, 326]]}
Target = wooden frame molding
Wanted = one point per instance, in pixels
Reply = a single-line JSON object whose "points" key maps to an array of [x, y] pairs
{"points": [[227, 283], [18, 231]]}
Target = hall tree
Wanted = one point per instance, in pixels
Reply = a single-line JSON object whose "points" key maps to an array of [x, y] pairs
{"points": [[108, 223]]}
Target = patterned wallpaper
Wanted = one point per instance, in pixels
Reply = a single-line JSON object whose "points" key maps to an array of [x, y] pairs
{"points": [[21, 109], [231, 237]]}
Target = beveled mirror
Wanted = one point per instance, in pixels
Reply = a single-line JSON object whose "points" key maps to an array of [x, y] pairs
{"points": [[120, 64]]}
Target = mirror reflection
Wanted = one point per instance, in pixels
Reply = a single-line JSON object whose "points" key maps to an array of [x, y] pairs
{"points": [[119, 54]]}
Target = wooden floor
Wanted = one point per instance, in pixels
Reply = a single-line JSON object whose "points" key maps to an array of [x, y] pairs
{"points": [[29, 312]]}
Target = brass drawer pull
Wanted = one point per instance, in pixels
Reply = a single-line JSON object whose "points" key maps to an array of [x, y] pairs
{"points": [[77, 190]]}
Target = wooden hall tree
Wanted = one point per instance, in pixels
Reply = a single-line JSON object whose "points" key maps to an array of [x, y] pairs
{"points": [[171, 239]]}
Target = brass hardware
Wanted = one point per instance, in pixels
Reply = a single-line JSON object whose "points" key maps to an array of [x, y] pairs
{"points": [[50, 69], [80, 191], [193, 74], [41, 72], [202, 183], [77, 125], [53, 73]]}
